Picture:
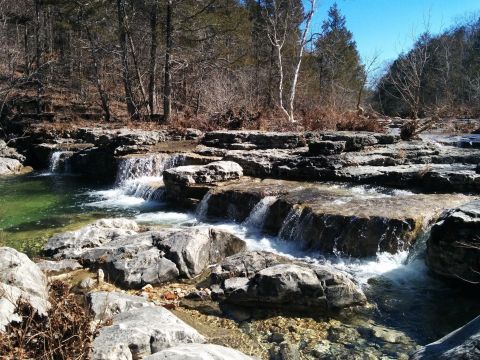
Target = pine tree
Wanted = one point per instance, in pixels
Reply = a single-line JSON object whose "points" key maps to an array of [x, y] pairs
{"points": [[339, 68]]}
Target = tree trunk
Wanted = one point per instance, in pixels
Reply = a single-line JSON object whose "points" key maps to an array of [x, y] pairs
{"points": [[152, 98], [167, 91], [98, 82], [122, 37]]}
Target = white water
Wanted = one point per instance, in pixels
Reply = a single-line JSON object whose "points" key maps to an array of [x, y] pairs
{"points": [[257, 217], [58, 163], [139, 182]]}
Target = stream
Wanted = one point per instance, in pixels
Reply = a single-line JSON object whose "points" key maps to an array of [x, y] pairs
{"points": [[34, 207]]}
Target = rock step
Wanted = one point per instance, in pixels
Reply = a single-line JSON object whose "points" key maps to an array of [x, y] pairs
{"points": [[331, 218]]}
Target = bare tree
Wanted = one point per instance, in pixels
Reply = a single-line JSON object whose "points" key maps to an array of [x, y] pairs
{"points": [[279, 19], [167, 90], [407, 80]]}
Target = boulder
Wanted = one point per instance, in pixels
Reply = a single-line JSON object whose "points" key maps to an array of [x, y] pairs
{"points": [[461, 344], [140, 332], [20, 278], [10, 166], [155, 257], [194, 249], [132, 261], [105, 305], [291, 285], [10, 153], [186, 185], [203, 174], [453, 248], [199, 352], [73, 244]]}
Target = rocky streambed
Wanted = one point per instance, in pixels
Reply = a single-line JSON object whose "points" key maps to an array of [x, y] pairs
{"points": [[229, 245]]}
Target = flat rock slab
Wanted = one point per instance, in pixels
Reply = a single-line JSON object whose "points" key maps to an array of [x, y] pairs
{"points": [[199, 352], [253, 140], [453, 248], [461, 344], [203, 174], [106, 305], [332, 218], [140, 332], [73, 244], [20, 278], [272, 281]]}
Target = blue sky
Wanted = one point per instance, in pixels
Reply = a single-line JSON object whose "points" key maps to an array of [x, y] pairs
{"points": [[388, 27]]}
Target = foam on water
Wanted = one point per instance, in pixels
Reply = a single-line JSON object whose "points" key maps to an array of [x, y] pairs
{"points": [[139, 182], [165, 217]]}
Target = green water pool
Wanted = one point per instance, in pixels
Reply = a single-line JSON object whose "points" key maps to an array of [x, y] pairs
{"points": [[34, 207]]}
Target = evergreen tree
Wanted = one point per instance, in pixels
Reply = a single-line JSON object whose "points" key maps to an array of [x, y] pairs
{"points": [[339, 68]]}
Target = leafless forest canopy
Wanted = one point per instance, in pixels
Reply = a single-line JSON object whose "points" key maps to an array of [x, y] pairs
{"points": [[211, 62]]}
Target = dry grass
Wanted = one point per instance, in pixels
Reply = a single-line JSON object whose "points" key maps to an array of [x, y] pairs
{"points": [[65, 334]]}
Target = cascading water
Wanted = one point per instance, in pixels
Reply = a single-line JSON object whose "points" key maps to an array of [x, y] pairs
{"points": [[58, 162], [202, 208], [139, 179], [257, 217]]}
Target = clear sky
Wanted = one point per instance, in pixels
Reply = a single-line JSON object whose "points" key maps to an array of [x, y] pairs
{"points": [[388, 27]]}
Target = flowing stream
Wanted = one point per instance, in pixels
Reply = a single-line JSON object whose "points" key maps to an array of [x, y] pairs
{"points": [[407, 298]]}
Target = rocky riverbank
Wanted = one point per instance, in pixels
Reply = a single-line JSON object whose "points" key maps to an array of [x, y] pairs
{"points": [[322, 201]]}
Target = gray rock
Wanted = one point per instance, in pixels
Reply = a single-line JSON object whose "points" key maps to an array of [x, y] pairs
{"points": [[9, 152], [20, 278], [105, 305], [453, 248], [199, 352], [73, 244], [196, 248], [50, 267], [10, 166], [155, 257], [203, 174], [461, 344], [326, 147], [141, 332], [87, 283], [132, 261], [354, 141], [254, 139], [292, 285]]}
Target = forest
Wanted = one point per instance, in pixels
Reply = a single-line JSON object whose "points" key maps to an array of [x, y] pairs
{"points": [[214, 63]]}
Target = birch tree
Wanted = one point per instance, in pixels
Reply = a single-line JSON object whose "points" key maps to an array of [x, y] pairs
{"points": [[279, 17]]}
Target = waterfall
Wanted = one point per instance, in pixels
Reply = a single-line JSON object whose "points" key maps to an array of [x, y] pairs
{"points": [[59, 162], [152, 166], [292, 225], [139, 179], [259, 213], [202, 208]]}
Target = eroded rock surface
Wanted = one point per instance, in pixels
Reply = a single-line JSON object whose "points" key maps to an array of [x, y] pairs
{"points": [[461, 344], [330, 218], [453, 249], [73, 244], [199, 352], [133, 258], [20, 278], [271, 281], [140, 332]]}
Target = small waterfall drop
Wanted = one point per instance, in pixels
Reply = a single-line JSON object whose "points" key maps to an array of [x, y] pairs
{"points": [[259, 213], [59, 162], [139, 179], [202, 208]]}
